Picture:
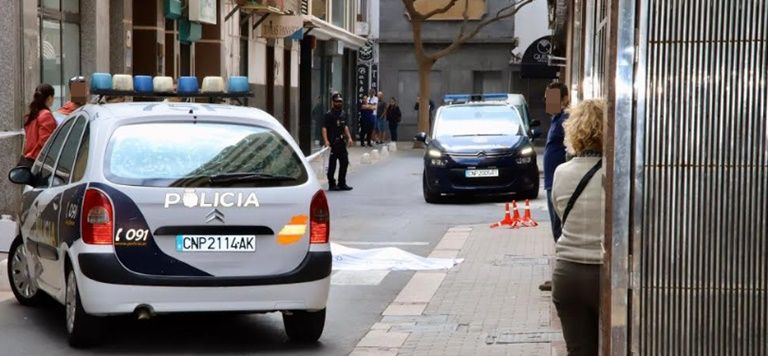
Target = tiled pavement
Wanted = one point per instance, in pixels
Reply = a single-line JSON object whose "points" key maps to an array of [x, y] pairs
{"points": [[488, 305]]}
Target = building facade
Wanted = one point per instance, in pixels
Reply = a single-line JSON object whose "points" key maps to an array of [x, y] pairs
{"points": [[485, 64], [686, 158], [282, 46]]}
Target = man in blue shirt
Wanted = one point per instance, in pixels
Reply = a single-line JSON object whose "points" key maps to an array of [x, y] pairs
{"points": [[554, 155]]}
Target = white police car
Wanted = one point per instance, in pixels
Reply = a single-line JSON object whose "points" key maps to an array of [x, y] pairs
{"points": [[152, 208]]}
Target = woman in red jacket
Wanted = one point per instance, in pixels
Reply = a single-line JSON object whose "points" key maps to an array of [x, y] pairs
{"points": [[39, 123]]}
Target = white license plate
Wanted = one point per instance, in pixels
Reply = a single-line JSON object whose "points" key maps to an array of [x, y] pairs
{"points": [[481, 173], [215, 243]]}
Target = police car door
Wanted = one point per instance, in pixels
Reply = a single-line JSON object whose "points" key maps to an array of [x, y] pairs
{"points": [[44, 213], [67, 196]]}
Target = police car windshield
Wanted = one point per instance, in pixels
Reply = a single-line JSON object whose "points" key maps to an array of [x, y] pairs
{"points": [[478, 120], [201, 155]]}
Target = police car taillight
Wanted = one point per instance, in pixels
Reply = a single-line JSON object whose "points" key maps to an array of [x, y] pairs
{"points": [[97, 218], [319, 219]]}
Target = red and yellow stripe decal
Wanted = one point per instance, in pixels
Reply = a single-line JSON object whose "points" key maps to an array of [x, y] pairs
{"points": [[294, 231]]}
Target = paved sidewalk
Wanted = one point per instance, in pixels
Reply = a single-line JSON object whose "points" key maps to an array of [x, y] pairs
{"points": [[488, 305]]}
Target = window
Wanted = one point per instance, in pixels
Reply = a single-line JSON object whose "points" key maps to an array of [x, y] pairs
{"points": [[480, 120], [48, 161], [201, 155], [63, 169], [337, 7], [59, 45], [82, 157]]}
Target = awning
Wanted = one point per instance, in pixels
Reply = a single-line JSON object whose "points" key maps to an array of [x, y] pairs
{"points": [[326, 32]]}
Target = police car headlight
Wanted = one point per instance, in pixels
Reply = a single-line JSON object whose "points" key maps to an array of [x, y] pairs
{"points": [[528, 151], [434, 153]]}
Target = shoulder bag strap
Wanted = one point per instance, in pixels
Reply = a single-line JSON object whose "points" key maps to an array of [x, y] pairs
{"points": [[579, 189]]}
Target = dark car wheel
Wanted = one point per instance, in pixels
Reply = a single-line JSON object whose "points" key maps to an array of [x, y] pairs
{"points": [[23, 286], [530, 194], [304, 326], [83, 330], [429, 196]]}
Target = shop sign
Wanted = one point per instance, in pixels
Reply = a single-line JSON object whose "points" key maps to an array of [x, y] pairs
{"points": [[375, 76], [281, 26], [535, 62], [365, 54], [203, 11], [363, 73]]}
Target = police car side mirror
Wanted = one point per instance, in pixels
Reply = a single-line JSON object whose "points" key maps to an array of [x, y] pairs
{"points": [[421, 137], [21, 175], [535, 133]]}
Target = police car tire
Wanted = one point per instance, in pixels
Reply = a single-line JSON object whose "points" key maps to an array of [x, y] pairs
{"points": [[86, 330], [304, 326], [429, 196], [26, 301]]}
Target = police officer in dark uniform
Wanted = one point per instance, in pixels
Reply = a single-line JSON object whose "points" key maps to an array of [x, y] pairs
{"points": [[336, 136]]}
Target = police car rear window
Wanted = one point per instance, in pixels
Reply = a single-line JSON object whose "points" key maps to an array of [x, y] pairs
{"points": [[201, 155]]}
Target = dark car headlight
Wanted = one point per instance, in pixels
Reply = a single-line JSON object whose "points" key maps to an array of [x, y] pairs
{"points": [[526, 155]]}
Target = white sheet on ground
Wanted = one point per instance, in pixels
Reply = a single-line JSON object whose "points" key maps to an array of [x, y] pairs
{"points": [[387, 258]]}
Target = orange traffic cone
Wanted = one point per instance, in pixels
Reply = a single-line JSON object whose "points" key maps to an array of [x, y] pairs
{"points": [[507, 221], [527, 219], [516, 217]]}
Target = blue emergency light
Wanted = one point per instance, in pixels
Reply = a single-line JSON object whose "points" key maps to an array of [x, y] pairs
{"points": [[468, 98], [145, 86]]}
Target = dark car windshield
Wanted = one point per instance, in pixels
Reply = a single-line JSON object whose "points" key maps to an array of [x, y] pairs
{"points": [[478, 120], [201, 155]]}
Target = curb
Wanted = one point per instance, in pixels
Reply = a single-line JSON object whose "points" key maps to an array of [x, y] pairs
{"points": [[4, 283]]}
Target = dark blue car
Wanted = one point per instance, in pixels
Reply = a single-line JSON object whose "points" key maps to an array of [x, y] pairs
{"points": [[479, 149]]}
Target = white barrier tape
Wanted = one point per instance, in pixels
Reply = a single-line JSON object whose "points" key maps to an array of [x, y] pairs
{"points": [[317, 154], [5, 134]]}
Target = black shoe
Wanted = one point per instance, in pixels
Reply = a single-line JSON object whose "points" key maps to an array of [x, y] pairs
{"points": [[546, 286], [344, 187], [333, 188]]}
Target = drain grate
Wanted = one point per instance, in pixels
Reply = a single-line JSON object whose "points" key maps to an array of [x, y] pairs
{"points": [[524, 338], [517, 260]]}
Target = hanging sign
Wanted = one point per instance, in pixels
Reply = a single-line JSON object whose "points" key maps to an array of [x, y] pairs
{"points": [[535, 62], [203, 11], [363, 72]]}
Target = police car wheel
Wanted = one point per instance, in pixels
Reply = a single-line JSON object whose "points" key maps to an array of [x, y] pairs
{"points": [[23, 286], [82, 329], [304, 326]]}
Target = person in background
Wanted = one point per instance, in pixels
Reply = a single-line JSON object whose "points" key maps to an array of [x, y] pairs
{"points": [[393, 115], [579, 201], [38, 124], [367, 121], [373, 101], [554, 155], [336, 136], [431, 109], [381, 119], [77, 98]]}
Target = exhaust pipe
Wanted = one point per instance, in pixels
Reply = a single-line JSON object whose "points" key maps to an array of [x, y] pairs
{"points": [[144, 312]]}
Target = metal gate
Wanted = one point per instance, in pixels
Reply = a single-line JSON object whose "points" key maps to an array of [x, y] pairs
{"points": [[700, 178]]}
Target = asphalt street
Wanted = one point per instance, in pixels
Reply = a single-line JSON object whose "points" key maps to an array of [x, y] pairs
{"points": [[385, 208]]}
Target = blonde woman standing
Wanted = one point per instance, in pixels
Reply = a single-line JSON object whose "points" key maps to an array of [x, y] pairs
{"points": [[578, 198]]}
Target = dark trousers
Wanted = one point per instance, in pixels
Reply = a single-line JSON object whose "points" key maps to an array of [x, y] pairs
{"points": [[576, 294], [366, 130], [393, 132], [338, 152], [553, 218]]}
